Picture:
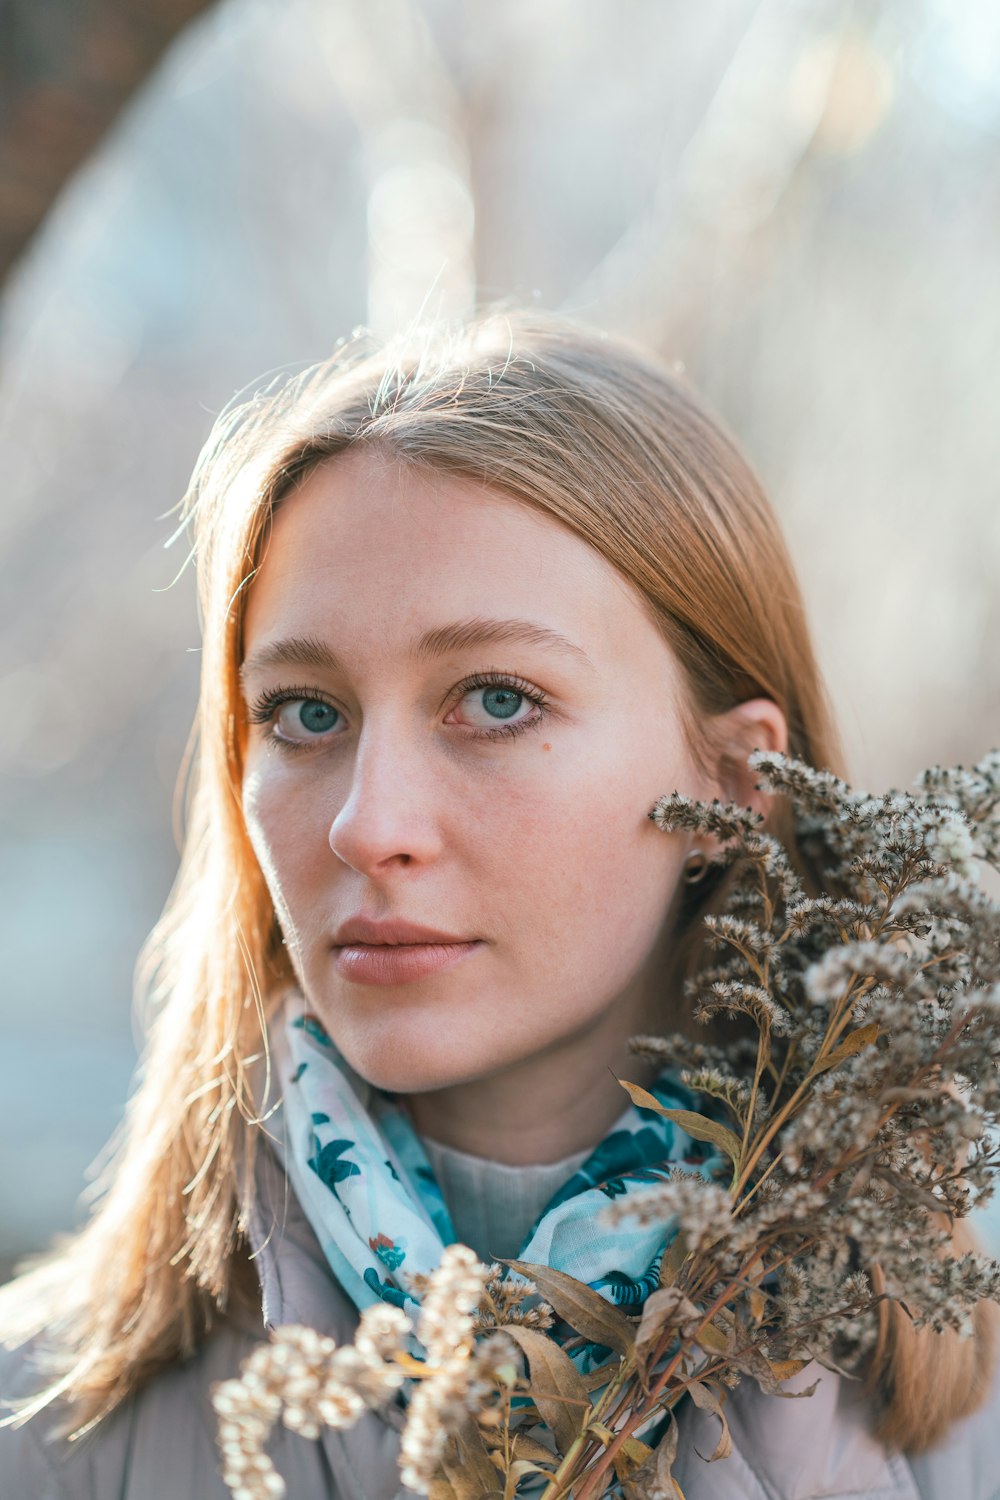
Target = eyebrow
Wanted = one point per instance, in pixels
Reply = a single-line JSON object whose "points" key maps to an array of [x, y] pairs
{"points": [[308, 651]]}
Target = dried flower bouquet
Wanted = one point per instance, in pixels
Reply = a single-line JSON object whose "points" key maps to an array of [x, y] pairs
{"points": [[853, 1108]]}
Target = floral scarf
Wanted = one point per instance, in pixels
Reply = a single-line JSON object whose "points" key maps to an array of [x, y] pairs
{"points": [[363, 1179]]}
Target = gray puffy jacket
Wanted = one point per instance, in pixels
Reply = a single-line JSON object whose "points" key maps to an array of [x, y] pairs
{"points": [[160, 1444]]}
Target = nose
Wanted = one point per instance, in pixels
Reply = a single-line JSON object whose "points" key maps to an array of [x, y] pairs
{"points": [[389, 818]]}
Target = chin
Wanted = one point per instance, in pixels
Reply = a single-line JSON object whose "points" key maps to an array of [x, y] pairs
{"points": [[415, 1067], [421, 1073]]}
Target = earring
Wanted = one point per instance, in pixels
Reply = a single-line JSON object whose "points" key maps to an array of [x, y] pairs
{"points": [[695, 867]]}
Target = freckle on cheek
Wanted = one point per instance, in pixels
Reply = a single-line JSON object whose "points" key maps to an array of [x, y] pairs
{"points": [[546, 747]]}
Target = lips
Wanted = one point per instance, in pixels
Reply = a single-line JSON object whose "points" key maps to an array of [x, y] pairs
{"points": [[364, 931], [396, 952]]}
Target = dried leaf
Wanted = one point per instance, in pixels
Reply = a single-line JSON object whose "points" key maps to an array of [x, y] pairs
{"points": [[664, 1306], [666, 1450], [636, 1450], [769, 1374], [750, 1361], [851, 1044], [594, 1379], [579, 1306], [654, 1480], [706, 1400], [555, 1384], [516, 1473], [457, 1488], [713, 1340], [698, 1126], [676, 1254], [476, 1466], [795, 1395], [527, 1447], [630, 1457], [458, 1479]]}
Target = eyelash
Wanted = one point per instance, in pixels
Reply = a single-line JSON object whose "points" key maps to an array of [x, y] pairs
{"points": [[263, 710]]}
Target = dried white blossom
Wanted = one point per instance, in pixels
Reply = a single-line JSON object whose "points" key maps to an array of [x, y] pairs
{"points": [[445, 1323], [459, 1386], [685, 1199], [949, 841], [305, 1380]]}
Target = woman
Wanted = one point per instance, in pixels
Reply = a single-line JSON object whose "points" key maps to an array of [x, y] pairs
{"points": [[468, 609]]}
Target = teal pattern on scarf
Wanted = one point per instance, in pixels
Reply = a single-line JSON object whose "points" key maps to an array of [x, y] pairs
{"points": [[364, 1181]]}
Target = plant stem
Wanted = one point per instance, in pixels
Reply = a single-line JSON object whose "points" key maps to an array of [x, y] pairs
{"points": [[554, 1489], [606, 1459]]}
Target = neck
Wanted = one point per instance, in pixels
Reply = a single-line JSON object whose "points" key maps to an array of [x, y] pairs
{"points": [[558, 1101]]}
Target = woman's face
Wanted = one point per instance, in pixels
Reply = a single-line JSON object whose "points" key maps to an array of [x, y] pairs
{"points": [[468, 736]]}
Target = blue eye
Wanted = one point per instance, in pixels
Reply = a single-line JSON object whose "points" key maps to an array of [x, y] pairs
{"points": [[306, 721], [502, 702], [313, 715], [496, 705]]}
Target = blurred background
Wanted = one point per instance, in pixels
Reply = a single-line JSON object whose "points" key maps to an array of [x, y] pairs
{"points": [[797, 203]]}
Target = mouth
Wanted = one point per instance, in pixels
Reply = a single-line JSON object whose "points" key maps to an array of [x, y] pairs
{"points": [[399, 963]]}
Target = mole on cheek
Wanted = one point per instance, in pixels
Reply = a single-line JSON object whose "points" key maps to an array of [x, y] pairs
{"points": [[546, 747]]}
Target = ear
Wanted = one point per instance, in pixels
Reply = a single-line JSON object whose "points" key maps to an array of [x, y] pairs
{"points": [[757, 724]]}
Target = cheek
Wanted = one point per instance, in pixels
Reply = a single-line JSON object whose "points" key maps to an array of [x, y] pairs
{"points": [[590, 877], [287, 837]]}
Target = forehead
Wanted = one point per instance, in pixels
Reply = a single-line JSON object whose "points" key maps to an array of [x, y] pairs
{"points": [[366, 545]]}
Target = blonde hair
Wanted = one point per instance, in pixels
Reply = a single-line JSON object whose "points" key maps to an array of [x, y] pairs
{"points": [[591, 432]]}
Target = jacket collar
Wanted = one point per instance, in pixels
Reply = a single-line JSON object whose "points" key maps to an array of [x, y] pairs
{"points": [[297, 1284]]}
